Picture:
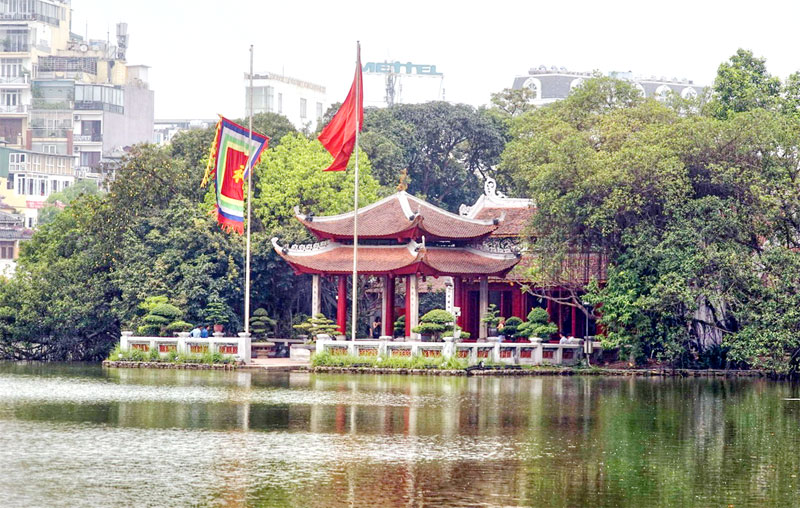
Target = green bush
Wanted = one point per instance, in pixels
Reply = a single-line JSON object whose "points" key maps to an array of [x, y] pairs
{"points": [[511, 326], [392, 362], [179, 326], [261, 323], [538, 325], [492, 317], [435, 323], [318, 325], [153, 356], [400, 326]]}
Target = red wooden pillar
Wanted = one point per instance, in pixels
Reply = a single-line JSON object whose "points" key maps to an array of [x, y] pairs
{"points": [[408, 306], [574, 321], [465, 305], [502, 303], [458, 290], [550, 310], [341, 305], [388, 326], [517, 302]]}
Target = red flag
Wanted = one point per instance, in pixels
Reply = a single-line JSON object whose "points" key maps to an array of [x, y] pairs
{"points": [[339, 136]]}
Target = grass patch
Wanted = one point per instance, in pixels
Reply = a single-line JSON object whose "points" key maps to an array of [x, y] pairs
{"points": [[391, 362], [152, 355]]}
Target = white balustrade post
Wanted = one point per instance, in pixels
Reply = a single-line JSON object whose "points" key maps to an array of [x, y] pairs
{"points": [[449, 349], [212, 342], [483, 307], [536, 355], [558, 356], [244, 347], [123, 341], [321, 345], [181, 345]]}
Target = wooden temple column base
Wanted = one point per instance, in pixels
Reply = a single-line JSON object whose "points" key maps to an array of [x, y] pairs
{"points": [[341, 305]]}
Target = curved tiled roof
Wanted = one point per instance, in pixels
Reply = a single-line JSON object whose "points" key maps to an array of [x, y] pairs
{"points": [[335, 258], [400, 216]]}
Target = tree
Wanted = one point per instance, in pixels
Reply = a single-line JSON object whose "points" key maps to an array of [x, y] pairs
{"points": [[291, 175], [318, 325], [743, 84], [55, 202], [513, 102], [446, 148]]}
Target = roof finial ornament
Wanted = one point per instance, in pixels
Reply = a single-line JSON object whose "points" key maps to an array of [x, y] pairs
{"points": [[403, 184], [490, 188]]}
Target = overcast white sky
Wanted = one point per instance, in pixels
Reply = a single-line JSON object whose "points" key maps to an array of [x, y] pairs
{"points": [[198, 49]]}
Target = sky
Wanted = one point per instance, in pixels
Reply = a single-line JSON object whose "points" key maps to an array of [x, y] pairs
{"points": [[198, 50]]}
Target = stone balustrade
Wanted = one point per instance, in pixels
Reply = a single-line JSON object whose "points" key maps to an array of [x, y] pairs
{"points": [[238, 347], [492, 351]]}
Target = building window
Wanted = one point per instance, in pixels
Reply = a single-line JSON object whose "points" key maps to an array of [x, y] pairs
{"points": [[42, 187], [50, 164], [10, 67], [270, 98], [53, 186], [29, 190], [21, 185], [6, 250], [17, 161], [280, 102], [50, 149], [9, 98], [36, 164], [30, 221], [62, 166], [10, 182], [302, 108], [90, 159], [319, 111]]}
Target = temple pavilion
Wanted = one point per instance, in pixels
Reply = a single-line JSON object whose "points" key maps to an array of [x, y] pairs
{"points": [[404, 240]]}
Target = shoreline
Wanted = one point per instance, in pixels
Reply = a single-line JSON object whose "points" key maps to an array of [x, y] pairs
{"points": [[487, 372]]}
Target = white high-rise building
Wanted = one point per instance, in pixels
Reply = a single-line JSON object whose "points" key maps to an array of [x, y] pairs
{"points": [[303, 103]]}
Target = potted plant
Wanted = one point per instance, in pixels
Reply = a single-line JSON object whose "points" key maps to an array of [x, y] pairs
{"points": [[435, 323], [261, 324], [400, 326], [511, 326], [492, 319], [537, 325], [318, 325], [216, 313]]}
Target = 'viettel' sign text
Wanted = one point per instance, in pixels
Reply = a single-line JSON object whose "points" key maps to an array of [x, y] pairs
{"points": [[398, 68]]}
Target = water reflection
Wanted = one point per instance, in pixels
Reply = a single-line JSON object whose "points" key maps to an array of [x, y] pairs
{"points": [[83, 435]]}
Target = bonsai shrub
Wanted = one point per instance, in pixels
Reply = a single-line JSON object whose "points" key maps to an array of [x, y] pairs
{"points": [[160, 317], [318, 325], [179, 326], [510, 329], [435, 323], [260, 323], [492, 317], [537, 325], [463, 335], [400, 326]]}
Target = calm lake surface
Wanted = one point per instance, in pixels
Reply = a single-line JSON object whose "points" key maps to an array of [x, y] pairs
{"points": [[77, 435]]}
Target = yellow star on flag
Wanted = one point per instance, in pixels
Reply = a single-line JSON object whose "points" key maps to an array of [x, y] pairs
{"points": [[238, 175]]}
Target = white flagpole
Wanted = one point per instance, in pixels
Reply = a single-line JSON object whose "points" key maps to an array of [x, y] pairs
{"points": [[249, 194], [354, 317]]}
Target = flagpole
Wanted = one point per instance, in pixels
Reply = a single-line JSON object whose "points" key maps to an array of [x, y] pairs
{"points": [[249, 193], [355, 199]]}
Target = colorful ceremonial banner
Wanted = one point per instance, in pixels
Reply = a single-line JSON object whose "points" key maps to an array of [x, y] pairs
{"points": [[228, 165], [339, 136]]}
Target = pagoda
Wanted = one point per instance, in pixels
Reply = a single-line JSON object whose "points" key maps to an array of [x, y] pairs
{"points": [[404, 239]]}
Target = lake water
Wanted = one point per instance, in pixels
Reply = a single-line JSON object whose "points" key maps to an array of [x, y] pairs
{"points": [[77, 435]]}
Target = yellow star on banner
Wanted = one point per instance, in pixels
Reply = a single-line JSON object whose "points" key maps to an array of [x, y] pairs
{"points": [[238, 175]]}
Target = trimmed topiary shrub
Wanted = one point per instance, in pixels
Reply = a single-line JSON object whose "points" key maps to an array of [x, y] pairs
{"points": [[435, 323], [537, 325]]}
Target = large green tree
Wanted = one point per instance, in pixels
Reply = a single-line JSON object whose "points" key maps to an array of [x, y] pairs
{"points": [[447, 149]]}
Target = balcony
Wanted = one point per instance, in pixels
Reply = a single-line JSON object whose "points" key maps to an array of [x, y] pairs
{"points": [[51, 104], [14, 80], [19, 108], [89, 138], [41, 132]]}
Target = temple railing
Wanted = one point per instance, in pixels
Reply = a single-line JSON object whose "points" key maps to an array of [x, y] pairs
{"points": [[239, 347], [511, 353]]}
